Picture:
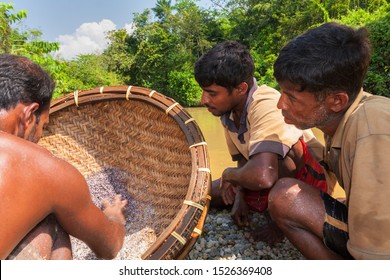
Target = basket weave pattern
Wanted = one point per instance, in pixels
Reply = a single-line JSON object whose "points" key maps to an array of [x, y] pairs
{"points": [[152, 137]]}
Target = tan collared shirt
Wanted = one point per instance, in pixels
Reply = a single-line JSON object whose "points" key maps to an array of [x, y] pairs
{"points": [[359, 154]]}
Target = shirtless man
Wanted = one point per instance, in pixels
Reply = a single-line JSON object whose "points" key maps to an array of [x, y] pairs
{"points": [[43, 198], [264, 147]]}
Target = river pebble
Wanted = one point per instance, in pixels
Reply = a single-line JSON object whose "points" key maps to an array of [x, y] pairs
{"points": [[223, 240]]}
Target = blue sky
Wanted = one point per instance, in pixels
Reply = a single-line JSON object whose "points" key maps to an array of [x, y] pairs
{"points": [[79, 25]]}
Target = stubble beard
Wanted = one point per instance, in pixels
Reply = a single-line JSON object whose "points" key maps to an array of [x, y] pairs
{"points": [[320, 118]]}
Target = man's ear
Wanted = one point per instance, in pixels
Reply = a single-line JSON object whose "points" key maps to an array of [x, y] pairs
{"points": [[338, 101], [242, 88], [28, 116]]}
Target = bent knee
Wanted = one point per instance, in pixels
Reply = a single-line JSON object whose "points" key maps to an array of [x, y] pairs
{"points": [[282, 187], [282, 194]]}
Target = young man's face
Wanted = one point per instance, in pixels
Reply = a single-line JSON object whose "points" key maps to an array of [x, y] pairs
{"points": [[301, 108], [218, 100]]}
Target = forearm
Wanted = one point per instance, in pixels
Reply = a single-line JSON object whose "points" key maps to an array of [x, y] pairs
{"points": [[248, 179], [260, 172], [102, 235], [103, 231], [110, 240], [114, 215], [115, 244]]}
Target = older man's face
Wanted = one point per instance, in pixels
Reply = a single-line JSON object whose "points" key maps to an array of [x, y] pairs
{"points": [[301, 108]]}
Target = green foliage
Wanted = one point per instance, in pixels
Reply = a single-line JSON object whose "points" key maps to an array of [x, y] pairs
{"points": [[20, 43], [8, 17], [185, 89], [119, 53], [160, 51], [378, 24], [265, 26], [28, 43], [89, 71], [378, 76]]}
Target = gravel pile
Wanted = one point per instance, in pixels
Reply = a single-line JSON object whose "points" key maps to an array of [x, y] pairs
{"points": [[223, 240]]}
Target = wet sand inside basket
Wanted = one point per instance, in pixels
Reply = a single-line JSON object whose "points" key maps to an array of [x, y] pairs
{"points": [[141, 217]]}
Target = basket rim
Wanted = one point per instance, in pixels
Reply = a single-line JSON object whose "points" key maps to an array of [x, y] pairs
{"points": [[186, 227]]}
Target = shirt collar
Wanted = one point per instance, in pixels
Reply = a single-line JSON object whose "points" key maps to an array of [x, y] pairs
{"points": [[337, 137], [227, 119]]}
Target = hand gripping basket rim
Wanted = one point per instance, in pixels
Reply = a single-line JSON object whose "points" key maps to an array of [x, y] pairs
{"points": [[179, 237]]}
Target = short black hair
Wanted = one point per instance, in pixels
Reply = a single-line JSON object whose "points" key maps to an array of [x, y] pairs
{"points": [[23, 81], [227, 64], [326, 59]]}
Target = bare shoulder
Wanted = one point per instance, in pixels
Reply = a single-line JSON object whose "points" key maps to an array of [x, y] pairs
{"points": [[37, 162], [33, 175]]}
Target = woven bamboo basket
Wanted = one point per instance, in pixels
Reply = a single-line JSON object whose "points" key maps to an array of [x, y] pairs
{"points": [[153, 137]]}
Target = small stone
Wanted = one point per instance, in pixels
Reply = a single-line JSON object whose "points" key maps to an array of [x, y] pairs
{"points": [[223, 240], [231, 242]]}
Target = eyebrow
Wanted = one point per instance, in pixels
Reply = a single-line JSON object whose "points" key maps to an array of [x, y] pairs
{"points": [[287, 92], [210, 90]]}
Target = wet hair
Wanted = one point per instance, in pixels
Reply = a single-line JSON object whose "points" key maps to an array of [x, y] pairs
{"points": [[23, 81], [226, 64], [328, 59]]}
